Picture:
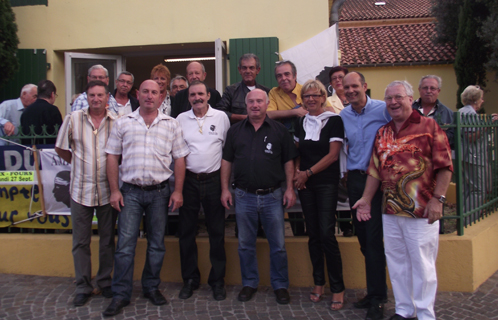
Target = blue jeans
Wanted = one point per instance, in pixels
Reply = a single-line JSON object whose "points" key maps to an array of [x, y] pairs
{"points": [[155, 205], [271, 213]]}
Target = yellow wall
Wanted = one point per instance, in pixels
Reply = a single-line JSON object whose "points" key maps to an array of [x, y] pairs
{"points": [[463, 263], [379, 77], [69, 25]]}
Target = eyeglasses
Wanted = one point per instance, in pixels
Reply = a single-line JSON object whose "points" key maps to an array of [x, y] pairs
{"points": [[397, 98], [123, 81], [337, 78], [98, 77], [314, 96], [426, 88]]}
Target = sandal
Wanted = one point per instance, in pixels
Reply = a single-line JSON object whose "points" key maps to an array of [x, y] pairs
{"points": [[316, 297], [336, 305]]}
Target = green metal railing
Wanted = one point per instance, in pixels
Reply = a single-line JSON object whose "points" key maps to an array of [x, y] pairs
{"points": [[475, 168], [32, 137]]}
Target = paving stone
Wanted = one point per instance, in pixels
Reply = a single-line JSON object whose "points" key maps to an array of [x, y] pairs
{"points": [[34, 297]]}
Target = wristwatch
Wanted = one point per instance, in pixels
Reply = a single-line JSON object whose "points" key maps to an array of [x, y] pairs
{"points": [[439, 198]]}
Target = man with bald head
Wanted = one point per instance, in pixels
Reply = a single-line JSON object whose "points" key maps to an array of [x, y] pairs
{"points": [[146, 141], [195, 71], [362, 118], [11, 111], [261, 152]]}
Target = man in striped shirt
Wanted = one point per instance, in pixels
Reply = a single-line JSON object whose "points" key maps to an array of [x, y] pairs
{"points": [[146, 141], [81, 142]]}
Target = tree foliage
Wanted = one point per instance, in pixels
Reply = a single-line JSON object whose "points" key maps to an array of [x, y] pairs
{"points": [[446, 14], [489, 35], [472, 52], [471, 27], [9, 63]]}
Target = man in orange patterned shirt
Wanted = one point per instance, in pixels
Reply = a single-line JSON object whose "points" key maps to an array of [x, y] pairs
{"points": [[411, 159]]}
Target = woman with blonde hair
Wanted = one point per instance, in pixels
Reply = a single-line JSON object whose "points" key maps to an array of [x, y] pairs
{"points": [[319, 136]]}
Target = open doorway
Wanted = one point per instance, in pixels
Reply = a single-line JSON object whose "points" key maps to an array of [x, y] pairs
{"points": [[140, 60]]}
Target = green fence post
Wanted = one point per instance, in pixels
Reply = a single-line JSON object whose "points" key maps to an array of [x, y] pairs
{"points": [[458, 171]]}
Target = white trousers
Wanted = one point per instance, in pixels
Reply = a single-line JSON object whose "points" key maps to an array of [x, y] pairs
{"points": [[411, 250]]}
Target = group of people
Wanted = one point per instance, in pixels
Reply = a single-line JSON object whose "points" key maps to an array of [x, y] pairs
{"points": [[393, 157]]}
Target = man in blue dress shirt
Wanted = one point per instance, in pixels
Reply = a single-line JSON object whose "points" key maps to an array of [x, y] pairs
{"points": [[362, 118]]}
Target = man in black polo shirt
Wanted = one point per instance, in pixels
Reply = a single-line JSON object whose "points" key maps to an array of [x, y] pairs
{"points": [[262, 152]]}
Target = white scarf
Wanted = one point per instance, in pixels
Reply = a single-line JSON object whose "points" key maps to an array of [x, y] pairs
{"points": [[313, 126]]}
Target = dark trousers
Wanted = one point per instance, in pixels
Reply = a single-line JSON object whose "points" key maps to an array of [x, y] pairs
{"points": [[370, 236], [319, 204], [81, 218], [206, 192]]}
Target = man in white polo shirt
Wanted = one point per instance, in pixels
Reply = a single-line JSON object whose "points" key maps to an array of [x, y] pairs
{"points": [[204, 131]]}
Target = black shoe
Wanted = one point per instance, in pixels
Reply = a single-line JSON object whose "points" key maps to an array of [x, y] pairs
{"points": [[81, 299], [115, 307], [156, 297], [188, 289], [398, 317], [246, 294], [365, 303], [107, 292], [347, 233], [282, 296], [219, 292], [376, 310]]}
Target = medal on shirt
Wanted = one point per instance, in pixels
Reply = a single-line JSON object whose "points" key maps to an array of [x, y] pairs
{"points": [[200, 124]]}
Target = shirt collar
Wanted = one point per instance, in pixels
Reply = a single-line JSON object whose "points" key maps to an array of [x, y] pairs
{"points": [[109, 114], [413, 118], [365, 108], [20, 106], [209, 113]]}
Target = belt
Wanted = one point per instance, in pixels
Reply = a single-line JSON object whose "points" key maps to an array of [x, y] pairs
{"points": [[202, 176], [153, 187], [359, 171], [259, 192]]}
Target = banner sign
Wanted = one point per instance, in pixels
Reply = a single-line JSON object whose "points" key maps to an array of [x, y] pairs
{"points": [[19, 200], [56, 175], [17, 176]]}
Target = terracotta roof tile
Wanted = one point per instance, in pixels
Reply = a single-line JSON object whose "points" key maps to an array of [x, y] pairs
{"points": [[394, 44], [356, 10]]}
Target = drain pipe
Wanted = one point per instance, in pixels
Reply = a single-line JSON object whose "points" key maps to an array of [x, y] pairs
{"points": [[335, 13]]}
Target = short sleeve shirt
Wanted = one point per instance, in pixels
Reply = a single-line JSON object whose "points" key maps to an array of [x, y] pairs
{"points": [[258, 157], [310, 152], [146, 152], [205, 138], [406, 163], [89, 184]]}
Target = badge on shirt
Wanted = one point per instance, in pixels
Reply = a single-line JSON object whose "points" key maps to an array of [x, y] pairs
{"points": [[269, 148], [212, 132]]}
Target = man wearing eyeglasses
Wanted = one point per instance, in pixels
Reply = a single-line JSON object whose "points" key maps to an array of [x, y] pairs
{"points": [[411, 162], [428, 104], [96, 72], [125, 102], [362, 118]]}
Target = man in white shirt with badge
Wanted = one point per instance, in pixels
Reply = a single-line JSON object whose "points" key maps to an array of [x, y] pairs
{"points": [[204, 131]]}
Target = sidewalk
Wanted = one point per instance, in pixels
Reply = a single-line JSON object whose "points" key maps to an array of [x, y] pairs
{"points": [[35, 297]]}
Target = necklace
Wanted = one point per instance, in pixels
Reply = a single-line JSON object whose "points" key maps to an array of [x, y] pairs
{"points": [[200, 124]]}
